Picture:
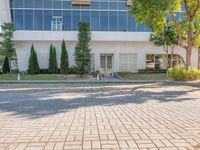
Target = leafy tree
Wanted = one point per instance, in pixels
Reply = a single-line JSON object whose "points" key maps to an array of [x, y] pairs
{"points": [[7, 45], [82, 50], [53, 66], [6, 67], [64, 63], [156, 13], [166, 39], [33, 67]]}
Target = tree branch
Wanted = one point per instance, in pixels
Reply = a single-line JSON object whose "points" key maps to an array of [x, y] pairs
{"points": [[195, 10], [177, 27]]}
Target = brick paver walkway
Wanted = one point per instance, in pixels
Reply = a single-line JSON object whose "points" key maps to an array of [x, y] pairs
{"points": [[150, 116]]}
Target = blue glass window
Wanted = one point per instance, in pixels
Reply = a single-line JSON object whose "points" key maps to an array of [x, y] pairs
{"points": [[67, 20], [38, 20], [28, 3], [95, 20], [57, 13], [38, 3], [66, 4], [75, 19], [104, 21], [122, 5], [122, 21], [131, 23], [85, 16], [28, 19], [19, 21], [76, 6], [97, 14], [48, 4], [113, 21], [104, 5], [85, 6], [57, 4], [113, 5], [140, 27], [95, 5], [47, 19], [18, 3]]}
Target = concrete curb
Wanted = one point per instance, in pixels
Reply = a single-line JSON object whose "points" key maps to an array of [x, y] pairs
{"points": [[78, 81], [196, 83]]}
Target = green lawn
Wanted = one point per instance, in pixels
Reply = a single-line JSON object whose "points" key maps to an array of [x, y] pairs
{"points": [[138, 76], [45, 77]]}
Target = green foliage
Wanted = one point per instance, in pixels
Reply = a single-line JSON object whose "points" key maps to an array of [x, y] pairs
{"points": [[64, 63], [157, 13], [197, 42], [183, 74], [165, 39], [6, 66], [82, 50], [53, 66], [7, 45], [33, 66]]}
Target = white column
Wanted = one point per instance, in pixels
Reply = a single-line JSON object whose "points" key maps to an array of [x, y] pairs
{"points": [[97, 61], [5, 11], [116, 62]]}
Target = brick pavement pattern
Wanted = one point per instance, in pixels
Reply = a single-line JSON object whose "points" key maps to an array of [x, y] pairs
{"points": [[107, 116]]}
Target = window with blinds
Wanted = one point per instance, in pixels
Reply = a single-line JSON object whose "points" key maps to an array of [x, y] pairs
{"points": [[128, 62]]}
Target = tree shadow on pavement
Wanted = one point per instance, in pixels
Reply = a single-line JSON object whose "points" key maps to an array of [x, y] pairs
{"points": [[42, 102]]}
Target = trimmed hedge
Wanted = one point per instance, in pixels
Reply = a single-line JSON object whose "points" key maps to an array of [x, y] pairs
{"points": [[183, 74], [150, 71]]}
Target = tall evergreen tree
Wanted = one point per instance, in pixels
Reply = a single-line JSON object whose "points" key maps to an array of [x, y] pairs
{"points": [[55, 60], [64, 63], [53, 66], [6, 67], [82, 50], [33, 67], [7, 45]]}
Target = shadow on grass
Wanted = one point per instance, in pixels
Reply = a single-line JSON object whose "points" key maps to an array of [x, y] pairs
{"points": [[41, 102]]}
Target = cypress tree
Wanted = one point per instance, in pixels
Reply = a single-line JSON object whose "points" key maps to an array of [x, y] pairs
{"points": [[53, 66], [82, 50], [7, 43], [33, 67], [64, 63], [55, 60], [6, 66]]}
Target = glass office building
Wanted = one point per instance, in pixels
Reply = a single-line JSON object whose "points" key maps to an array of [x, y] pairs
{"points": [[102, 15], [118, 44]]}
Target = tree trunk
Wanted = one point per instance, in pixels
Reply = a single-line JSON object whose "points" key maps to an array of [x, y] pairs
{"points": [[10, 63], [172, 56], [188, 57], [167, 60], [198, 58], [189, 48]]}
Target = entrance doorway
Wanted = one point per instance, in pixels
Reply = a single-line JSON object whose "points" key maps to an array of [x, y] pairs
{"points": [[106, 65]]}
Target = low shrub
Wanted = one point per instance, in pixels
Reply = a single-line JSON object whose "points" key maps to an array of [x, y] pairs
{"points": [[183, 74]]}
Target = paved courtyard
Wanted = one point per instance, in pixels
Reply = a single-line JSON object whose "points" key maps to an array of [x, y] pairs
{"points": [[106, 116]]}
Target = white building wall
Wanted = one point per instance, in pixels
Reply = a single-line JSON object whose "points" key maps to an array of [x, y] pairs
{"points": [[115, 48], [5, 11]]}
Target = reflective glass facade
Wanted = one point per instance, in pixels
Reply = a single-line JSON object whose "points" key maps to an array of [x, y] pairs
{"points": [[102, 15]]}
